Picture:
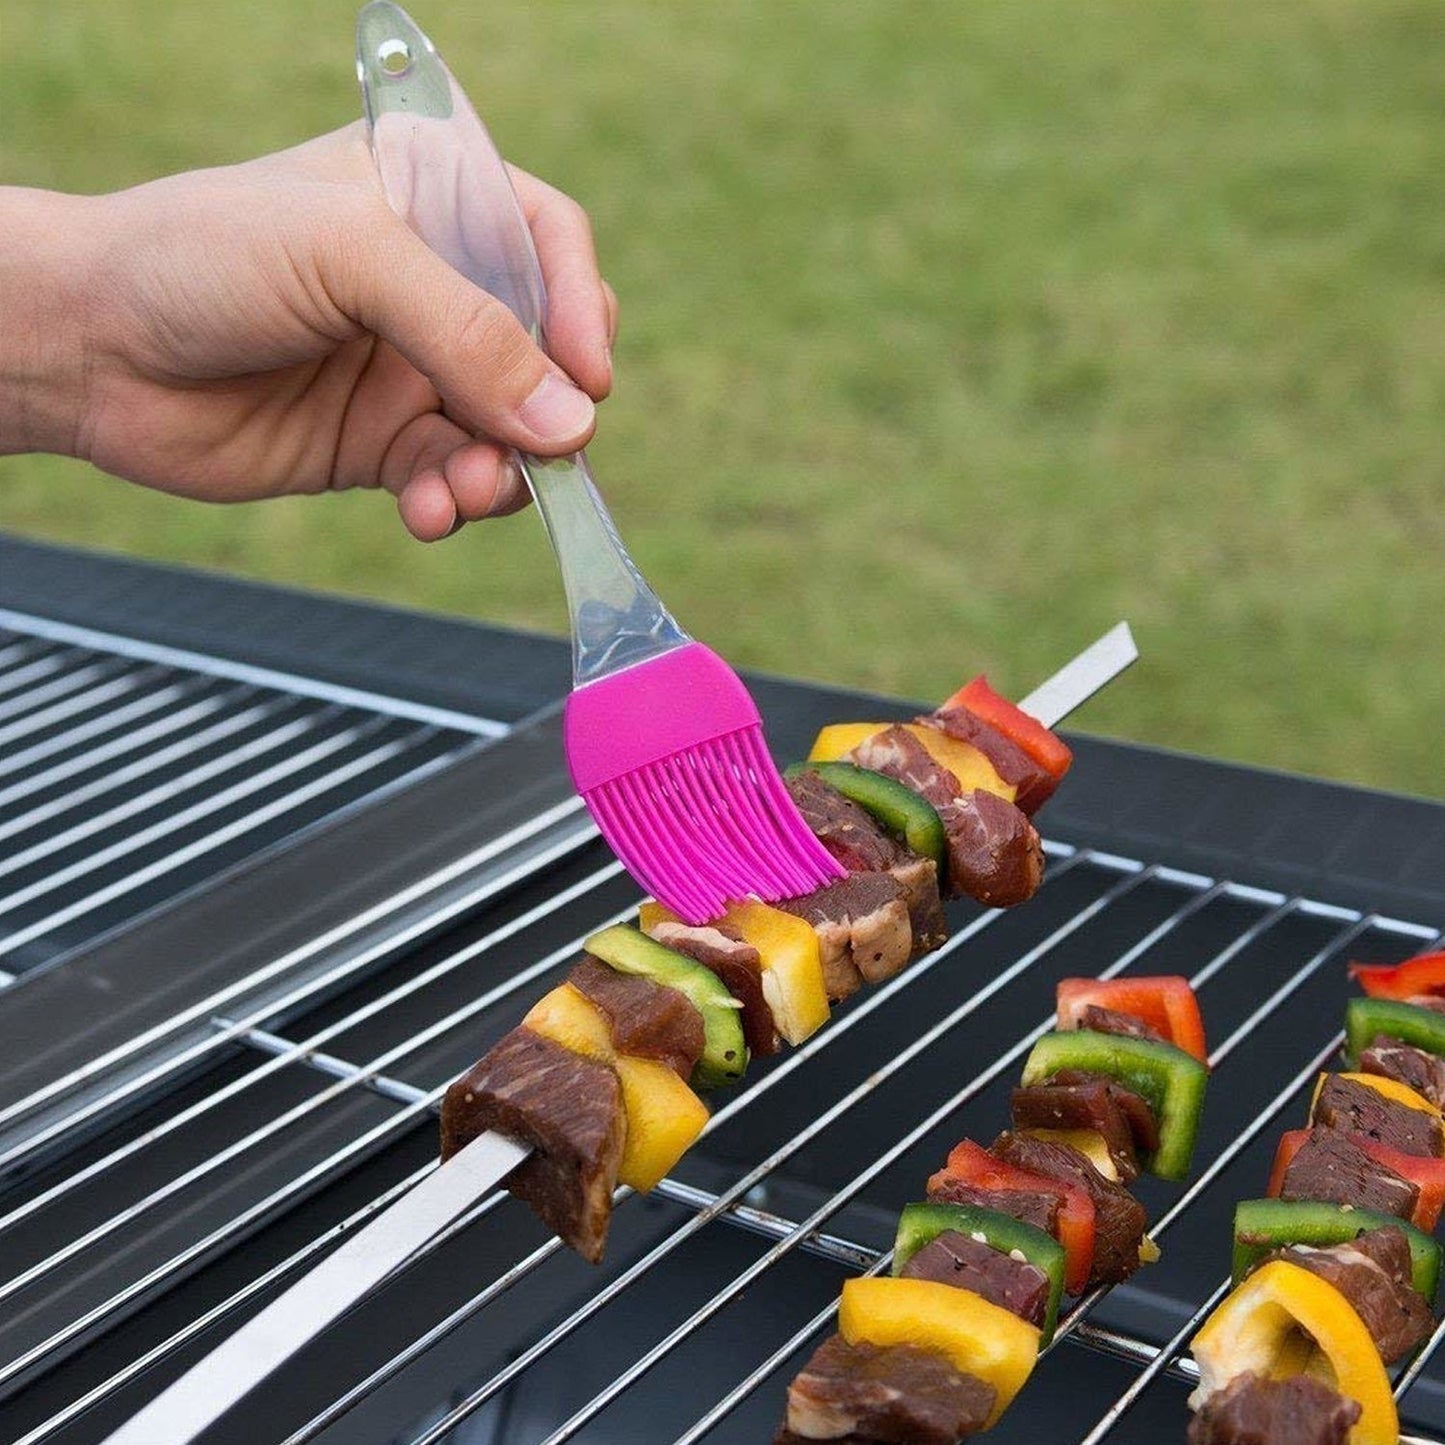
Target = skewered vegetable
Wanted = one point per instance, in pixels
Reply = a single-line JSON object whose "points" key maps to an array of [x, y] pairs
{"points": [[1166, 1003], [664, 1116], [1041, 743], [724, 1056], [1418, 978], [1262, 1226], [920, 1224], [1368, 1018], [1285, 1321], [979, 1338], [897, 808], [973, 1166], [1171, 1081]]}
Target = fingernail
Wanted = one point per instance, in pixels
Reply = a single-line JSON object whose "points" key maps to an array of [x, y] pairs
{"points": [[556, 409]]}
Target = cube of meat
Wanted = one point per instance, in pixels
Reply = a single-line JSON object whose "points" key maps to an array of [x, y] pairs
{"points": [[1251, 1409], [568, 1109], [862, 927], [878, 1392]]}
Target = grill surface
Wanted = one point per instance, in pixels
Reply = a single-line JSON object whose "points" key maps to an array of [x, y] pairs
{"points": [[255, 1069], [130, 772]]}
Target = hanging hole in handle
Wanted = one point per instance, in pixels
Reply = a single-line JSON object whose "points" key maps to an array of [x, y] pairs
{"points": [[394, 57]]}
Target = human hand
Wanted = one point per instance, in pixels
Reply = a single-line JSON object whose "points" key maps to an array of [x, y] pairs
{"points": [[273, 328]]}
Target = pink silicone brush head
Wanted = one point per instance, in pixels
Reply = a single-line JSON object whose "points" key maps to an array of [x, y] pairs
{"points": [[670, 759]]}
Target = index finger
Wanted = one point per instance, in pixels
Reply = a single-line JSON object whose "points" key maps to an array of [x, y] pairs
{"points": [[579, 317]]}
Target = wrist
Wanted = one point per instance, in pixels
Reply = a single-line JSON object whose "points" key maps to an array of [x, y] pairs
{"points": [[47, 243]]}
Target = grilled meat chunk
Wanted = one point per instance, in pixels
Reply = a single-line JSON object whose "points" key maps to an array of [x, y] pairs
{"points": [[1331, 1168], [1110, 1021], [1077, 1099], [1358, 1109], [1395, 1059], [1251, 1410], [1034, 783], [738, 964], [1119, 1218], [994, 854], [1032, 1207], [855, 839], [850, 833], [918, 878], [1373, 1273], [952, 1257], [895, 1393], [646, 1019], [862, 927], [568, 1108]]}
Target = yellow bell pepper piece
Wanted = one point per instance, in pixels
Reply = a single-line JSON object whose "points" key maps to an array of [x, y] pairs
{"points": [[792, 967], [839, 739], [967, 763], [970, 766], [664, 1116], [1390, 1088], [1089, 1142], [977, 1337], [1285, 1321]]}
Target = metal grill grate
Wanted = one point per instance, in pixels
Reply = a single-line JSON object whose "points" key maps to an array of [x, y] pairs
{"points": [[190, 1194], [131, 772]]}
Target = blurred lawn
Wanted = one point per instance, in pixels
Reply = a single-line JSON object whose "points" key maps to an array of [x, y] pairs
{"points": [[952, 333]]}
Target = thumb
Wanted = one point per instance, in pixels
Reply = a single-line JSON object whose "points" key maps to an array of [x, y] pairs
{"points": [[492, 377]]}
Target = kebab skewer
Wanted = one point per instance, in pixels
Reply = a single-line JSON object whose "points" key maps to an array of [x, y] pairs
{"points": [[937, 1351], [1336, 1272]]}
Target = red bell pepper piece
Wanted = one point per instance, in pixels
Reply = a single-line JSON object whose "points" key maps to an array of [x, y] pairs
{"points": [[1420, 977], [1165, 1002], [1428, 1175], [970, 1163], [1042, 745]]}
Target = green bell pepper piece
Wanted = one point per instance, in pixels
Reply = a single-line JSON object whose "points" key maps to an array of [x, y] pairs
{"points": [[921, 1223], [1366, 1017], [1264, 1225], [896, 808], [1170, 1081], [724, 1054]]}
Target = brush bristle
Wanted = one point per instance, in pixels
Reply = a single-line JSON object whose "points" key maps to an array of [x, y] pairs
{"points": [[710, 824]]}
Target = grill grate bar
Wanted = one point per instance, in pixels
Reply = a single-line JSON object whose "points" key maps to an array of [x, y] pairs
{"points": [[92, 758], [77, 702], [477, 1398], [150, 798], [278, 1272], [61, 684], [123, 776], [14, 653], [209, 665], [108, 722], [248, 822], [45, 666], [347, 967]]}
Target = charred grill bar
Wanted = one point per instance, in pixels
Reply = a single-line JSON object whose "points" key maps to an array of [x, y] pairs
{"points": [[195, 1108]]}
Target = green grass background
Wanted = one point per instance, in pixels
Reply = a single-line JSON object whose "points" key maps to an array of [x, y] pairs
{"points": [[952, 332]]}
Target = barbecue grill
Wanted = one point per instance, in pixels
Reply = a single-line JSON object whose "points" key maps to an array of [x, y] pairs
{"points": [[274, 869]]}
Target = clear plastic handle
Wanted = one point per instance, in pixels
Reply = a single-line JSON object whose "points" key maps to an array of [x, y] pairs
{"points": [[443, 175]]}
